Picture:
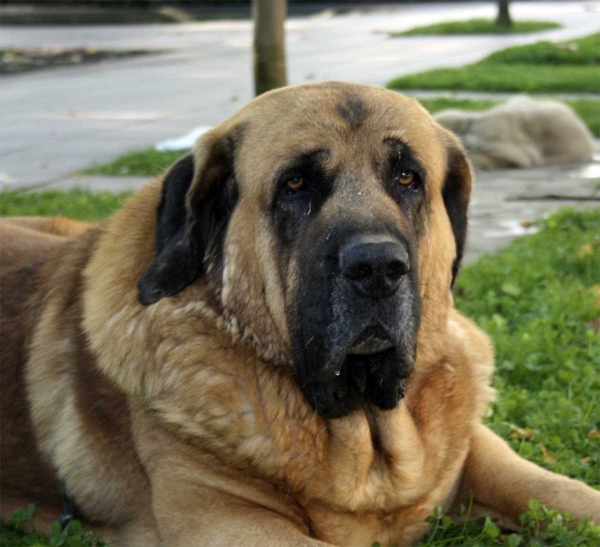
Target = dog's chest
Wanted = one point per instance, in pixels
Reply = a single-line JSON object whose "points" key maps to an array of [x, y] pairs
{"points": [[421, 490], [365, 491]]}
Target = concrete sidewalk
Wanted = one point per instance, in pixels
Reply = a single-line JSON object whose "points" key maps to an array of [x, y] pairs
{"points": [[503, 205], [57, 122]]}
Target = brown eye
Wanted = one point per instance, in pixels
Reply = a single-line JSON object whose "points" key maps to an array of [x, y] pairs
{"points": [[295, 183], [406, 178]]}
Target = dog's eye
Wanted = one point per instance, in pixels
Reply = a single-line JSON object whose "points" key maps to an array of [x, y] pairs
{"points": [[294, 184], [407, 178]]}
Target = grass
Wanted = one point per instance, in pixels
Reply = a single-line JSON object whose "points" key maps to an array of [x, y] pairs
{"points": [[580, 52], [543, 67], [505, 78], [537, 299], [435, 104], [589, 111], [11, 534], [148, 162], [77, 204], [477, 26]]}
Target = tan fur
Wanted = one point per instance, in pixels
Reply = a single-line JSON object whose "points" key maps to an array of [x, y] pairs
{"points": [[522, 132], [181, 423]]}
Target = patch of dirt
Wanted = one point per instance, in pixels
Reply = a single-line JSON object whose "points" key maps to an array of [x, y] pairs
{"points": [[18, 61]]}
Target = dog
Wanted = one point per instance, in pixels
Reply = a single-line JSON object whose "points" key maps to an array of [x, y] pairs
{"points": [[260, 347], [521, 133]]}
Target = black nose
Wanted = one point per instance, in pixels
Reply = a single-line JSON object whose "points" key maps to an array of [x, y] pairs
{"points": [[375, 267]]}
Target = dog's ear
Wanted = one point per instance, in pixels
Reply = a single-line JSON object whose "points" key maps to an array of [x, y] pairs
{"points": [[198, 196], [456, 193]]}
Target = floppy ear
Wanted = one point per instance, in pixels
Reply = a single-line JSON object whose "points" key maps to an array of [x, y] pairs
{"points": [[456, 193], [198, 196]]}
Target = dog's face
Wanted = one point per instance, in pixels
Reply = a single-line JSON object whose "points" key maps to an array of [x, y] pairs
{"points": [[319, 215]]}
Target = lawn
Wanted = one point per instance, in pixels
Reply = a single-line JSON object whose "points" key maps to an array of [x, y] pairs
{"points": [[543, 67], [78, 204], [477, 26], [536, 299], [148, 162]]}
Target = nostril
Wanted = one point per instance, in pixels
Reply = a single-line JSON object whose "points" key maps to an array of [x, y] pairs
{"points": [[396, 270], [361, 271]]}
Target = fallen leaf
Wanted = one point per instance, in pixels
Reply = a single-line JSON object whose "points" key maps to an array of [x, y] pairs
{"points": [[594, 434], [585, 250], [594, 292], [546, 456], [519, 432], [594, 324]]}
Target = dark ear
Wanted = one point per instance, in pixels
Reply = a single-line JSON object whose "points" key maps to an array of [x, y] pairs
{"points": [[198, 195], [456, 193]]}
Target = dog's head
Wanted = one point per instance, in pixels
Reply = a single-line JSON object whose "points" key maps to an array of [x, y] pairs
{"points": [[329, 221]]}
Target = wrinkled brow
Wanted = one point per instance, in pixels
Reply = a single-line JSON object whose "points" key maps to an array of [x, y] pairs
{"points": [[306, 162]]}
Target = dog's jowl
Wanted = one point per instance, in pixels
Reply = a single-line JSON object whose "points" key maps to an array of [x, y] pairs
{"points": [[261, 347]]}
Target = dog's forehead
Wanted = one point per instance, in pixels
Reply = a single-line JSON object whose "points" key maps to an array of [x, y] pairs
{"points": [[334, 116]]}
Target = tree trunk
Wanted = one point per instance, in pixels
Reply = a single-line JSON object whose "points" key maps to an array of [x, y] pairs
{"points": [[503, 19], [269, 44]]}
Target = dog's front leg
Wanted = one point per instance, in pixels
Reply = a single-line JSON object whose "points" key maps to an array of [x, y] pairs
{"points": [[192, 511], [501, 483], [197, 499]]}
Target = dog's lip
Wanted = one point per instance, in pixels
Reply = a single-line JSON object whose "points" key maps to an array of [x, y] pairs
{"points": [[373, 339], [370, 345], [370, 341]]}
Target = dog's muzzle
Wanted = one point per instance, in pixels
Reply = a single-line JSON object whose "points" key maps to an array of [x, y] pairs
{"points": [[362, 347]]}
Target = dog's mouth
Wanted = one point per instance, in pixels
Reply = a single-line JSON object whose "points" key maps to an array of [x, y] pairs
{"points": [[371, 341], [374, 370]]}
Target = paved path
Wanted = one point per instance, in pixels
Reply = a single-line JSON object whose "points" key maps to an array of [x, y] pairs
{"points": [[56, 122], [503, 204]]}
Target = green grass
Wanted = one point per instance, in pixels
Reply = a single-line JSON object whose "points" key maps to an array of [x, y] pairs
{"points": [[589, 111], [435, 104], [11, 534], [504, 78], [543, 67], [583, 51], [477, 26], [536, 299], [148, 162], [77, 204]]}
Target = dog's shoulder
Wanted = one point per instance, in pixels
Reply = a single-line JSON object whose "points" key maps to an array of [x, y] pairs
{"points": [[471, 352]]}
